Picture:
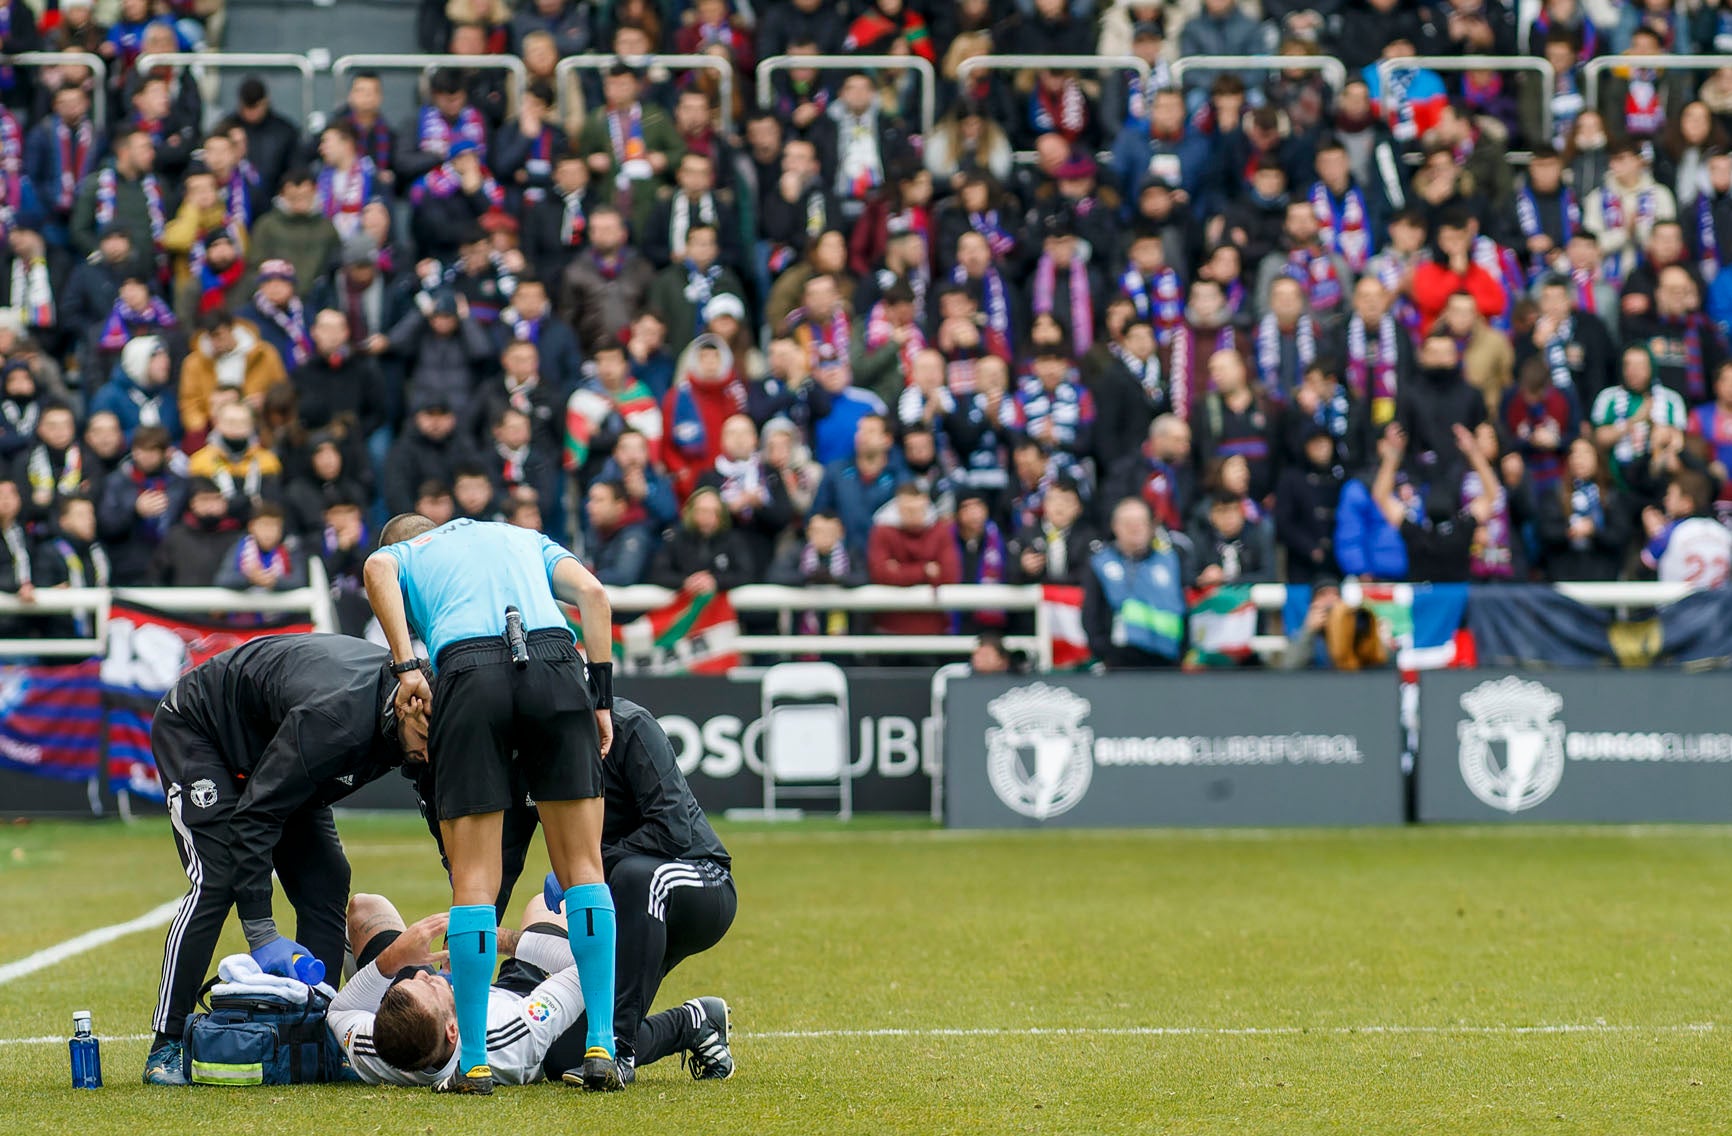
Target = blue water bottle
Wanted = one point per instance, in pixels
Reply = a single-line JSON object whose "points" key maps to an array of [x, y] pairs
{"points": [[86, 1053], [307, 969]]}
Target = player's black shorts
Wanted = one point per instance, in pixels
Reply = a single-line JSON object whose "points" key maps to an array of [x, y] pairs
{"points": [[485, 710]]}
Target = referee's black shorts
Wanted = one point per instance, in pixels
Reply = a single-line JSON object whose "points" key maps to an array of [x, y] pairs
{"points": [[485, 710]]}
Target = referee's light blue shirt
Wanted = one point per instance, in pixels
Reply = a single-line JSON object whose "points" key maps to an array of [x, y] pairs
{"points": [[459, 578]]}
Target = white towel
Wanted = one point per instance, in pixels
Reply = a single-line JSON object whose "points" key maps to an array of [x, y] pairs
{"points": [[242, 976]]}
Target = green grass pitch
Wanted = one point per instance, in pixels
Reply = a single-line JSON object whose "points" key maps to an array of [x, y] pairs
{"points": [[1419, 980]]}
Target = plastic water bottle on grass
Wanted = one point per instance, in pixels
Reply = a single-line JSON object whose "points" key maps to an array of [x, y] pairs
{"points": [[86, 1053]]}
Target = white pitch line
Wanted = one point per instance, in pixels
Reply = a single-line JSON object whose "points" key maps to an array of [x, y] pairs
{"points": [[4, 1041], [1228, 1031], [89, 941], [1136, 1031]]}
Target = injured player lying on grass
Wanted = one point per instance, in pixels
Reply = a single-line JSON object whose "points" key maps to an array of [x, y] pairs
{"points": [[397, 1021]]}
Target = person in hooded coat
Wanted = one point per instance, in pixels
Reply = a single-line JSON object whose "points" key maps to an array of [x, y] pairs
{"points": [[141, 391], [695, 409]]}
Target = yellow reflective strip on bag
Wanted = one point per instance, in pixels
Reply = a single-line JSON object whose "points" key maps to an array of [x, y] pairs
{"points": [[214, 1073]]}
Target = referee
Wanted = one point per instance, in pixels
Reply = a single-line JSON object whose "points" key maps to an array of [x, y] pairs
{"points": [[253, 747], [672, 889], [482, 597]]}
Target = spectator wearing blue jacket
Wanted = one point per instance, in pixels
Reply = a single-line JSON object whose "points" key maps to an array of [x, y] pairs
{"points": [[855, 489], [1166, 147], [1366, 546], [142, 391], [838, 409]]}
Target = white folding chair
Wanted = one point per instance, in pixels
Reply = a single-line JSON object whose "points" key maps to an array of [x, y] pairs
{"points": [[807, 734]]}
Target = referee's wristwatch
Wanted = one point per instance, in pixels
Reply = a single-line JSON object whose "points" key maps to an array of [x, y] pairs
{"points": [[408, 665]]}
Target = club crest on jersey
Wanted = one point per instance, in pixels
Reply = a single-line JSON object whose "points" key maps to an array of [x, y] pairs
{"points": [[1044, 724], [204, 793]]}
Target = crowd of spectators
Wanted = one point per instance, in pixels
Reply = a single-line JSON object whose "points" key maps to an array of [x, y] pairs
{"points": [[1089, 329]]}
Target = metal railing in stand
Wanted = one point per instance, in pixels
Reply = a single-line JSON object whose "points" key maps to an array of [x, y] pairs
{"points": [[242, 60], [424, 63], [1598, 67], [98, 69], [314, 600], [775, 599], [1503, 63], [1334, 71], [725, 95], [1052, 63], [928, 75]]}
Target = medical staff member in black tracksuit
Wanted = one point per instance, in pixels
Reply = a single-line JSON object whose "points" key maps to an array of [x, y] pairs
{"points": [[253, 746], [673, 893]]}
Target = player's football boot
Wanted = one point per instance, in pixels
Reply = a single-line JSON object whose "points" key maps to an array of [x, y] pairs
{"points": [[624, 1071], [478, 1081], [166, 1065], [710, 1059], [600, 1073]]}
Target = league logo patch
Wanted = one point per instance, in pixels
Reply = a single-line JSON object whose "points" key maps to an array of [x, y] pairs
{"points": [[538, 1011], [204, 793]]}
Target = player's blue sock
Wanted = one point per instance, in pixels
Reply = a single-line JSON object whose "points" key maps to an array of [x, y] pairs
{"points": [[472, 936], [590, 927]]}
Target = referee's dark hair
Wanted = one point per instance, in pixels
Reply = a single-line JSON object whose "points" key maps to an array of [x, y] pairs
{"points": [[406, 1033], [404, 526]]}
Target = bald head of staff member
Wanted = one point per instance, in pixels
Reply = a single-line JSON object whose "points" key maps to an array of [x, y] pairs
{"points": [[451, 585]]}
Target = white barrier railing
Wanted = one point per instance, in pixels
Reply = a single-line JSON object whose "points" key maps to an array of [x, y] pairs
{"points": [[784, 602], [426, 64], [97, 66], [1333, 70], [928, 76], [314, 600], [1531, 64], [1597, 68], [723, 69], [198, 61]]}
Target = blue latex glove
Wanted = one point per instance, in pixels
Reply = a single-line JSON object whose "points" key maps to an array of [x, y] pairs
{"points": [[552, 894], [289, 959]]}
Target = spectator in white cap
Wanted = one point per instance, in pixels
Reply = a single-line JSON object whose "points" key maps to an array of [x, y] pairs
{"points": [[726, 318]]}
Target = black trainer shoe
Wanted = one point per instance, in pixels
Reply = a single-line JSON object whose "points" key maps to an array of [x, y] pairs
{"points": [[601, 1072], [478, 1081], [709, 1058], [623, 1068]]}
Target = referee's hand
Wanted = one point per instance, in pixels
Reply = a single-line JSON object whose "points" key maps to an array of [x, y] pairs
{"points": [[604, 727], [414, 695]]}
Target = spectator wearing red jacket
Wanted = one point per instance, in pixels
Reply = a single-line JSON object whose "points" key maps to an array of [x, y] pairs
{"points": [[917, 549], [1452, 270], [694, 410]]}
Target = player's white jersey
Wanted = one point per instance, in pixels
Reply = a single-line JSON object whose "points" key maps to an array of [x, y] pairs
{"points": [[519, 1029], [1699, 554]]}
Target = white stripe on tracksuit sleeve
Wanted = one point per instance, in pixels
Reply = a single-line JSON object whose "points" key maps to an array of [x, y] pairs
{"points": [[519, 1030]]}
